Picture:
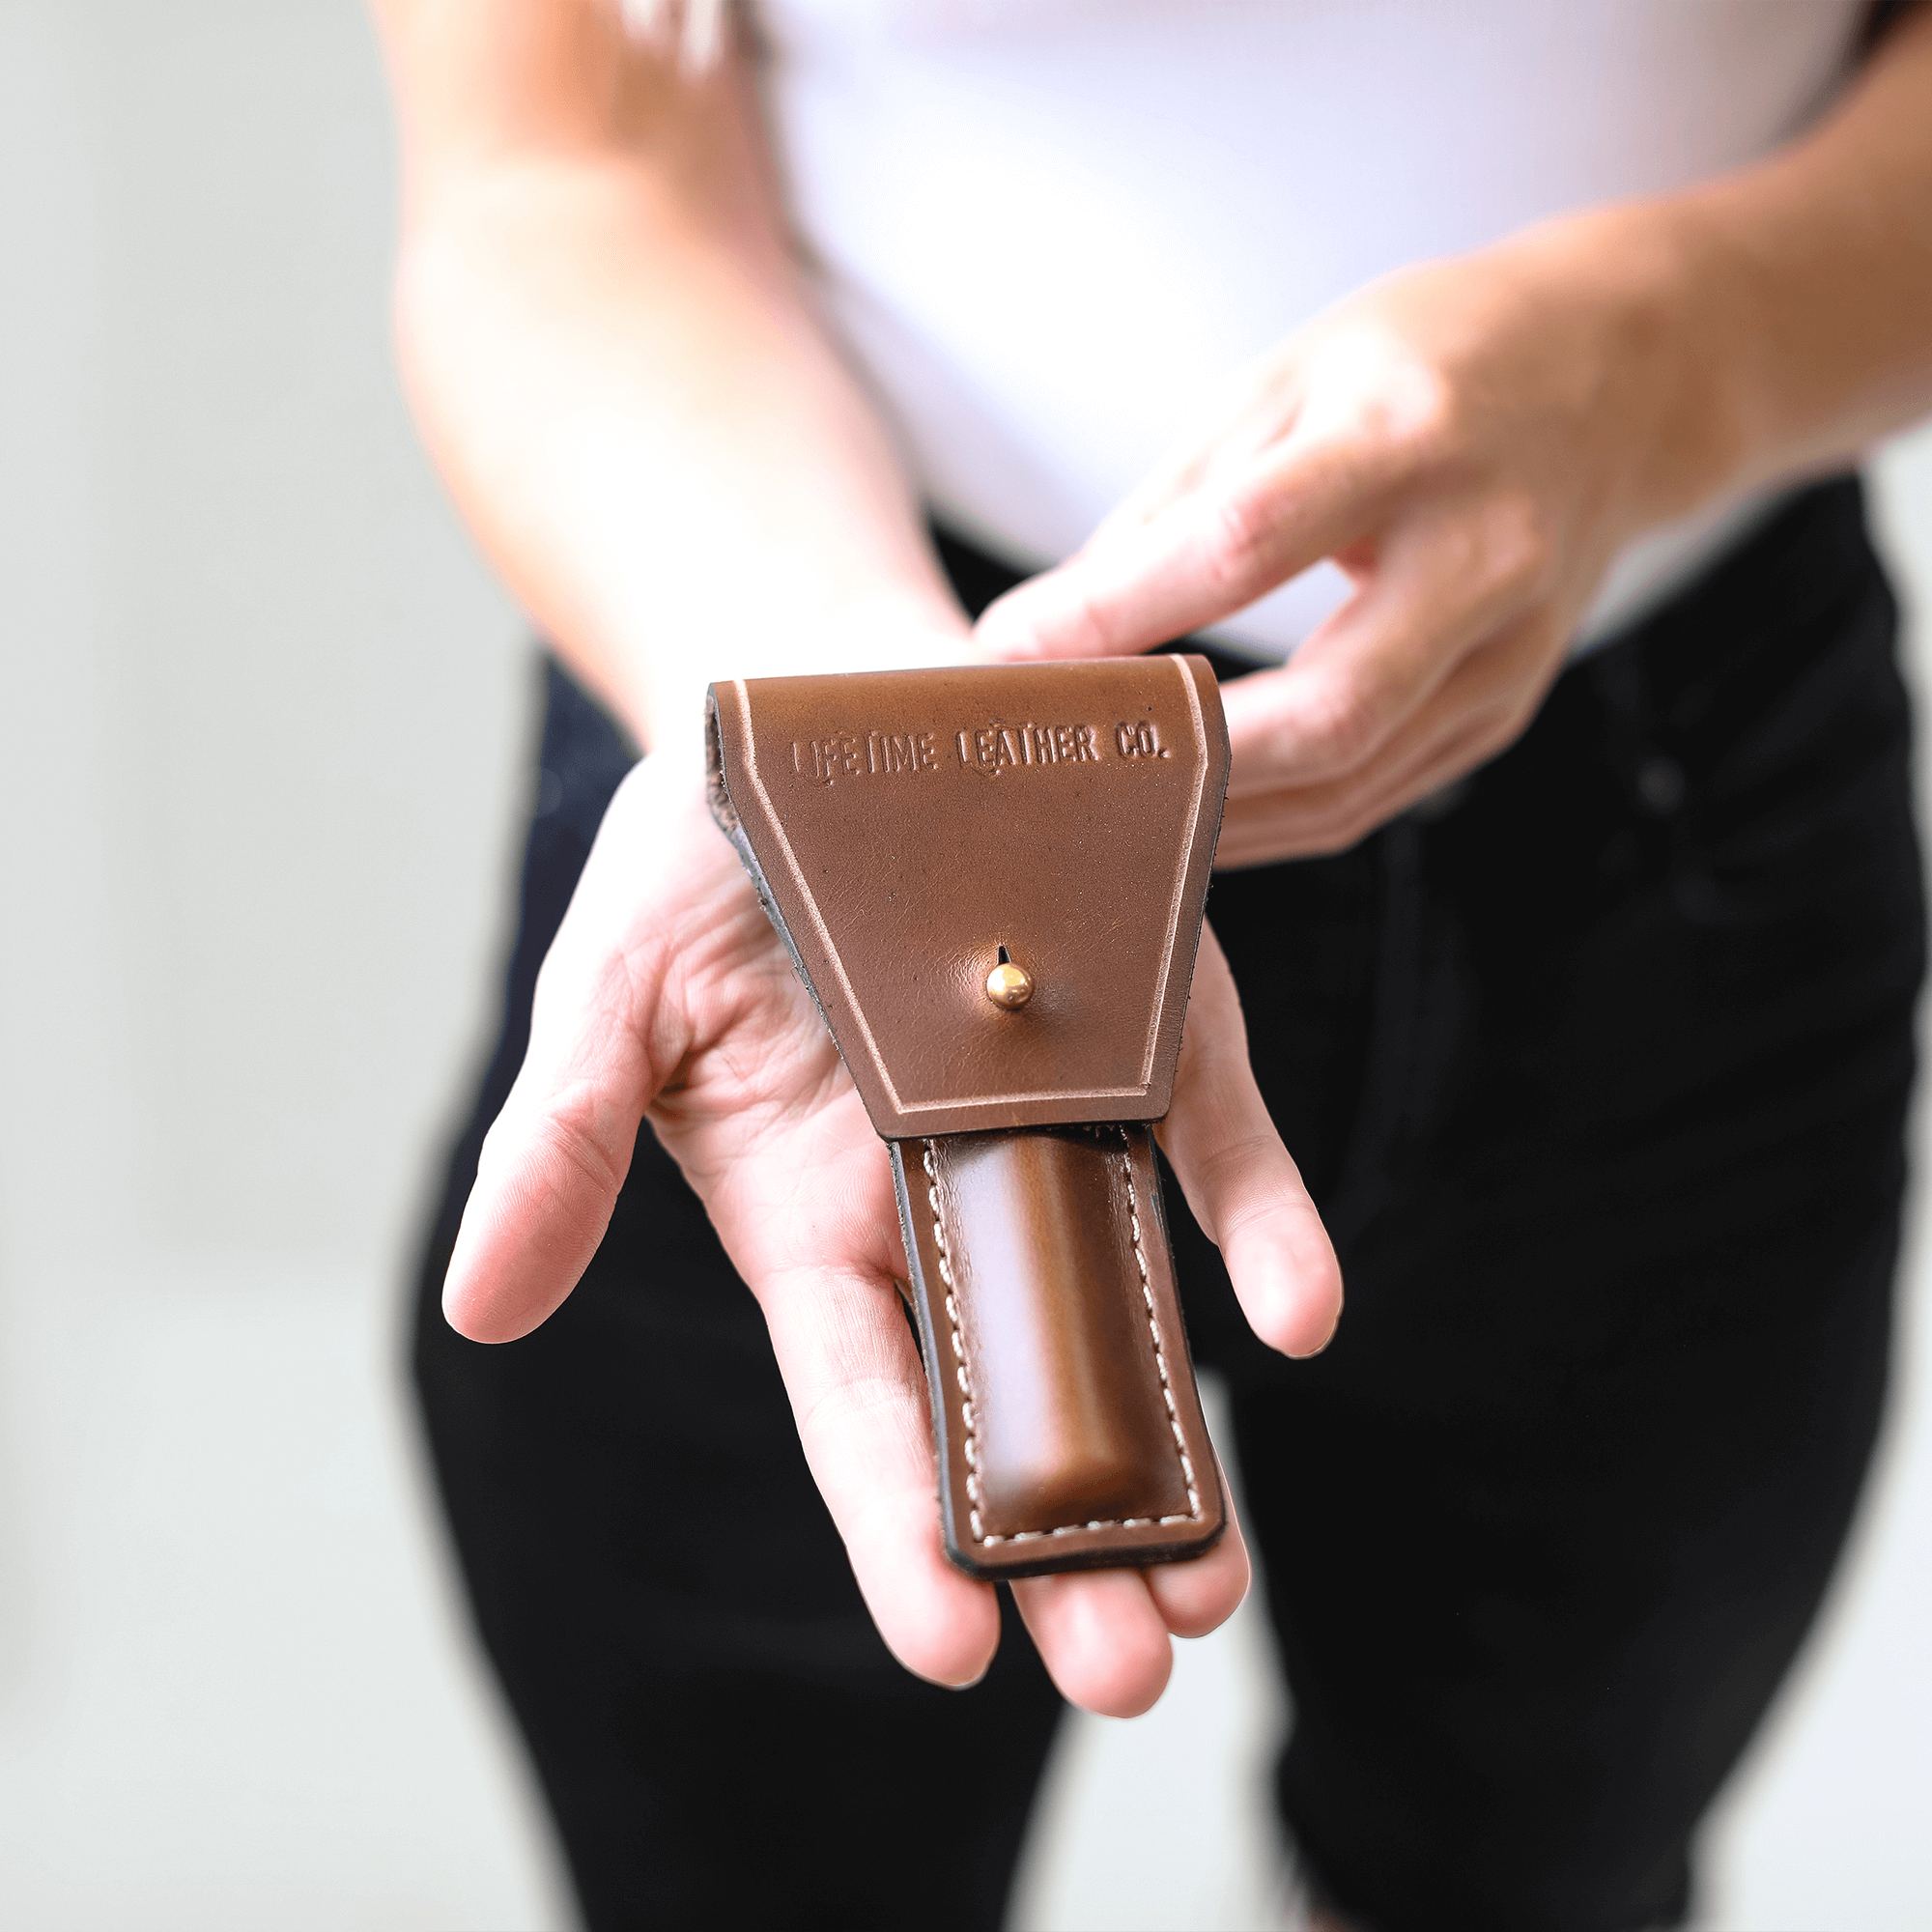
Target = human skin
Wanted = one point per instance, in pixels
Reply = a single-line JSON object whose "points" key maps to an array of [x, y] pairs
{"points": [[616, 366], [1474, 440], [621, 376]]}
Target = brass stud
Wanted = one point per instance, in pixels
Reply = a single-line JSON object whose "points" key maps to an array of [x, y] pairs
{"points": [[1008, 986]]}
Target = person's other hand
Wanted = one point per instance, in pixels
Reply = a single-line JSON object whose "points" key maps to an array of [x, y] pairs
{"points": [[668, 992], [1471, 442]]}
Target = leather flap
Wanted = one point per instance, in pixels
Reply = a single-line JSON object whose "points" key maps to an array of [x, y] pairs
{"points": [[903, 827]]}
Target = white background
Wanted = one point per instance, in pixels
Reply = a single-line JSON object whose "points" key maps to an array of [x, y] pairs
{"points": [[264, 734]]}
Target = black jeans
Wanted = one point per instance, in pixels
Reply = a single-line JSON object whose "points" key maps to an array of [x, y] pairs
{"points": [[1599, 1071]]}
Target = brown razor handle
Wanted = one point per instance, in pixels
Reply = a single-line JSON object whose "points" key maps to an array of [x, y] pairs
{"points": [[1064, 1413]]}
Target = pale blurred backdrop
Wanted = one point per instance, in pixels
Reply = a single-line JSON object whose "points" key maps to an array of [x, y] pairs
{"points": [[263, 736]]}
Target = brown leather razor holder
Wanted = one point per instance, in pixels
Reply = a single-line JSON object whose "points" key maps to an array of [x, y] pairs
{"points": [[992, 880]]}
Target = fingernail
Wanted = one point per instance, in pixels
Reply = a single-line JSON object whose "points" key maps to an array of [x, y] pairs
{"points": [[1308, 1355]]}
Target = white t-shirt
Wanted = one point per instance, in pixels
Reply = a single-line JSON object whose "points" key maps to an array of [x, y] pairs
{"points": [[1049, 229]]}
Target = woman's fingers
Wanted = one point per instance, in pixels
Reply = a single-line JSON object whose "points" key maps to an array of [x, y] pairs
{"points": [[1102, 1637], [860, 1397], [859, 1394], [1200, 1595], [1103, 1633], [1439, 573], [1244, 1189], [1479, 710], [1269, 827], [665, 987], [1204, 557], [1256, 413], [1446, 581]]}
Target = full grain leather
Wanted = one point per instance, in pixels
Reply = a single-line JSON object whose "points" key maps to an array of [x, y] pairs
{"points": [[903, 826], [906, 831], [1066, 1419]]}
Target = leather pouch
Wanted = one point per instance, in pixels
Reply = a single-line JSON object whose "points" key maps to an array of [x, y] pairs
{"points": [[992, 881]]}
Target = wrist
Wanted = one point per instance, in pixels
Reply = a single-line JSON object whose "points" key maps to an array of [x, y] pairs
{"points": [[1663, 331], [888, 628]]}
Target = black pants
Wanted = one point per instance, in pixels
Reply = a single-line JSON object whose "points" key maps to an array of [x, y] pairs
{"points": [[1597, 1070]]}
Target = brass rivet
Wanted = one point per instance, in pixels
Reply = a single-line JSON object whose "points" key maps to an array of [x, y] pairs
{"points": [[1008, 986]]}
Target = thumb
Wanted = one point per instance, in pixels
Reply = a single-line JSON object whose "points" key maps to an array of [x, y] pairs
{"points": [[555, 1157]]}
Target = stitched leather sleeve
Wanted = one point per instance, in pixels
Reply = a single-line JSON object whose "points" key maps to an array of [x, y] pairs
{"points": [[1066, 1419]]}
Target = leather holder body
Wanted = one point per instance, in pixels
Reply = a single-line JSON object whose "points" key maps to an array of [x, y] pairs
{"points": [[907, 831]]}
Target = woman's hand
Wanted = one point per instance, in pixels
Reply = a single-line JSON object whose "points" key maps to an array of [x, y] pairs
{"points": [[1471, 442], [668, 992], [611, 353], [1474, 440]]}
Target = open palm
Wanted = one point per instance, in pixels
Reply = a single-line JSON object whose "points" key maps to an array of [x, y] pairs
{"points": [[667, 993]]}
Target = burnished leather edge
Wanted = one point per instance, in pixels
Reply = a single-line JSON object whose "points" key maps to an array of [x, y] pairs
{"points": [[1054, 1548], [892, 1120], [724, 813]]}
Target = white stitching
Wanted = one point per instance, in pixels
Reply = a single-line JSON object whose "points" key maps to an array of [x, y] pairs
{"points": [[970, 1449], [775, 819], [972, 1454], [1159, 1353]]}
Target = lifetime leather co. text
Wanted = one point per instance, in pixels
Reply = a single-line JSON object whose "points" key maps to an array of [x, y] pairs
{"points": [[987, 749]]}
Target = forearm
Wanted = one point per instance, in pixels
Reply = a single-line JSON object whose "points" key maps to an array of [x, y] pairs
{"points": [[1805, 284], [623, 383]]}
